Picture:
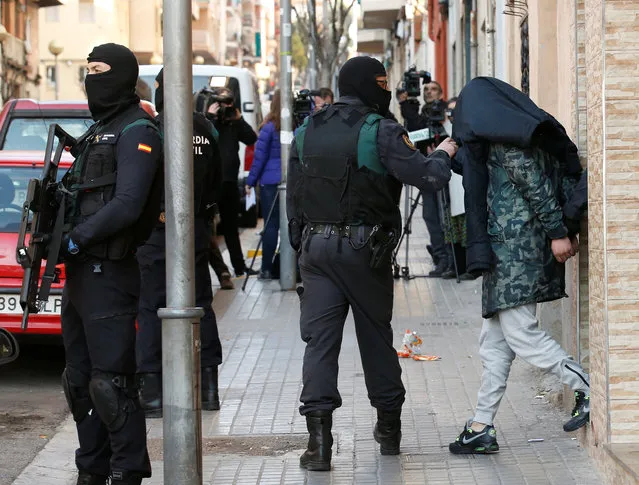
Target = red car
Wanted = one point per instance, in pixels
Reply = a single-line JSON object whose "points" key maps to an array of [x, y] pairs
{"points": [[16, 168], [24, 127], [24, 123]]}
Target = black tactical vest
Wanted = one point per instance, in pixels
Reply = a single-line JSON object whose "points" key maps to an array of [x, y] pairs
{"points": [[205, 148], [91, 183], [338, 187]]}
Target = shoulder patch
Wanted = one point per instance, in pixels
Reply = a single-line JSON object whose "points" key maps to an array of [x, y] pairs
{"points": [[409, 143], [144, 148]]}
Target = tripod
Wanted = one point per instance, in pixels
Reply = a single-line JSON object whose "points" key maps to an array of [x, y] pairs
{"points": [[409, 210], [259, 243]]}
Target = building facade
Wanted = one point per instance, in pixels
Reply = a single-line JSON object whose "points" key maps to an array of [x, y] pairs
{"points": [[98, 21], [401, 35], [20, 47]]}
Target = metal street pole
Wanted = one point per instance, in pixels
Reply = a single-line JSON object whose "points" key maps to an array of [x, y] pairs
{"points": [[57, 78], [288, 259], [312, 60], [180, 320]]}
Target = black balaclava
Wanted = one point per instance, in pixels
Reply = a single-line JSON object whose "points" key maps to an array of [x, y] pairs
{"points": [[159, 91], [357, 78], [113, 91]]}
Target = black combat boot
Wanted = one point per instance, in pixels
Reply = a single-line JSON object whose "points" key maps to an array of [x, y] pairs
{"points": [[86, 478], [151, 394], [318, 455], [388, 431], [210, 392]]}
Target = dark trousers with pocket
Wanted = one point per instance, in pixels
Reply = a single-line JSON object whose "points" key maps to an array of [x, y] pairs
{"points": [[152, 259], [99, 306], [432, 218], [229, 212], [337, 278]]}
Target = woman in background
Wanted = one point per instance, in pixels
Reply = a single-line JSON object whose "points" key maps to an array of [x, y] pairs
{"points": [[267, 171]]}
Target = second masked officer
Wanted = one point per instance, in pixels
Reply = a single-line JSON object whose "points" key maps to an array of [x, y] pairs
{"points": [[152, 259], [113, 198], [348, 163]]}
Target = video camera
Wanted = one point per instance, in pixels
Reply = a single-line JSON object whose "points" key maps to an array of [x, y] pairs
{"points": [[206, 96], [303, 105], [410, 83], [437, 111]]}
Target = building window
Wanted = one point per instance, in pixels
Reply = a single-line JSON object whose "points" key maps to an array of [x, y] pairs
{"points": [[20, 18], [52, 14], [51, 74], [87, 11]]}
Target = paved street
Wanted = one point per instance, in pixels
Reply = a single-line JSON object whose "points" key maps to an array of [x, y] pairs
{"points": [[257, 436], [31, 406]]}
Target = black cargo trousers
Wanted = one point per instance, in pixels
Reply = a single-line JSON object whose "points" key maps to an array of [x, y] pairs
{"points": [[152, 259], [99, 308], [336, 277]]}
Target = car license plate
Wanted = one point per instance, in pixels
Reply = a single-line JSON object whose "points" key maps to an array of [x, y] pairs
{"points": [[10, 304]]}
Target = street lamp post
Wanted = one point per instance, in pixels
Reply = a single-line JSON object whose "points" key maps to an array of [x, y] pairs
{"points": [[56, 49]]}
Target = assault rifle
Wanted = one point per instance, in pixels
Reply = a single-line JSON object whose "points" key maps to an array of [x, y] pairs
{"points": [[43, 222]]}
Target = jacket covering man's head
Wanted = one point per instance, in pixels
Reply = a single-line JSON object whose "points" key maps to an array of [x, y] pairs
{"points": [[358, 77], [112, 91]]}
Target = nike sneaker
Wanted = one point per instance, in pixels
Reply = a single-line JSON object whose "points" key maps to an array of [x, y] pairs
{"points": [[581, 412], [475, 442]]}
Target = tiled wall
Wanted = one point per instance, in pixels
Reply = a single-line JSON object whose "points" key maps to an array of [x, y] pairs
{"points": [[612, 60], [580, 114], [598, 331], [621, 55]]}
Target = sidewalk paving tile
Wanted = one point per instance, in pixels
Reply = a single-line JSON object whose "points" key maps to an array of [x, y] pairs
{"points": [[260, 384]]}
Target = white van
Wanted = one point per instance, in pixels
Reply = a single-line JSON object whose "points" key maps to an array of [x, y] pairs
{"points": [[241, 81]]}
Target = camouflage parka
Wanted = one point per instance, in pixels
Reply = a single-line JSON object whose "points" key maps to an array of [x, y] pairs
{"points": [[526, 191]]}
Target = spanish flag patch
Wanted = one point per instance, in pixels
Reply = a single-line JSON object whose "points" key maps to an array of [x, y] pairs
{"points": [[144, 148]]}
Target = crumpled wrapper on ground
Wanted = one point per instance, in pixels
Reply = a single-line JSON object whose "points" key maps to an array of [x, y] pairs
{"points": [[412, 348]]}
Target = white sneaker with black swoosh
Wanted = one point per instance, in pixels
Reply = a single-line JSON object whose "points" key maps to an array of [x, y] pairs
{"points": [[475, 442]]}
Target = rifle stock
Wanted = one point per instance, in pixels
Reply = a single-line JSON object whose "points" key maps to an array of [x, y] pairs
{"points": [[42, 220]]}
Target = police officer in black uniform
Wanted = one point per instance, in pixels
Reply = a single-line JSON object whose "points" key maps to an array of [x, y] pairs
{"points": [[346, 171], [112, 199], [152, 260]]}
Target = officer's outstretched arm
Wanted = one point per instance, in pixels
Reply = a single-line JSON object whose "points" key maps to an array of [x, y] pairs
{"points": [[139, 156], [404, 162]]}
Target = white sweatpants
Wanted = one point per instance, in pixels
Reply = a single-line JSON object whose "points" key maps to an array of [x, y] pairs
{"points": [[515, 332]]}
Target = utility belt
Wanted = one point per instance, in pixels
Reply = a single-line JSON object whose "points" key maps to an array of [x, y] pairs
{"points": [[381, 242]]}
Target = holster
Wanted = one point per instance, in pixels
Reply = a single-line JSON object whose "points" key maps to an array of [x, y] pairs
{"points": [[295, 234], [382, 244]]}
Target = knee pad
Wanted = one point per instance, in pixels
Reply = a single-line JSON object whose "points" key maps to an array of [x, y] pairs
{"points": [[114, 397], [76, 391]]}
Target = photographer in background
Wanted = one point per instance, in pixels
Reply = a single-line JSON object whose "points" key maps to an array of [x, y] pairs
{"points": [[432, 116], [322, 97], [219, 106]]}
